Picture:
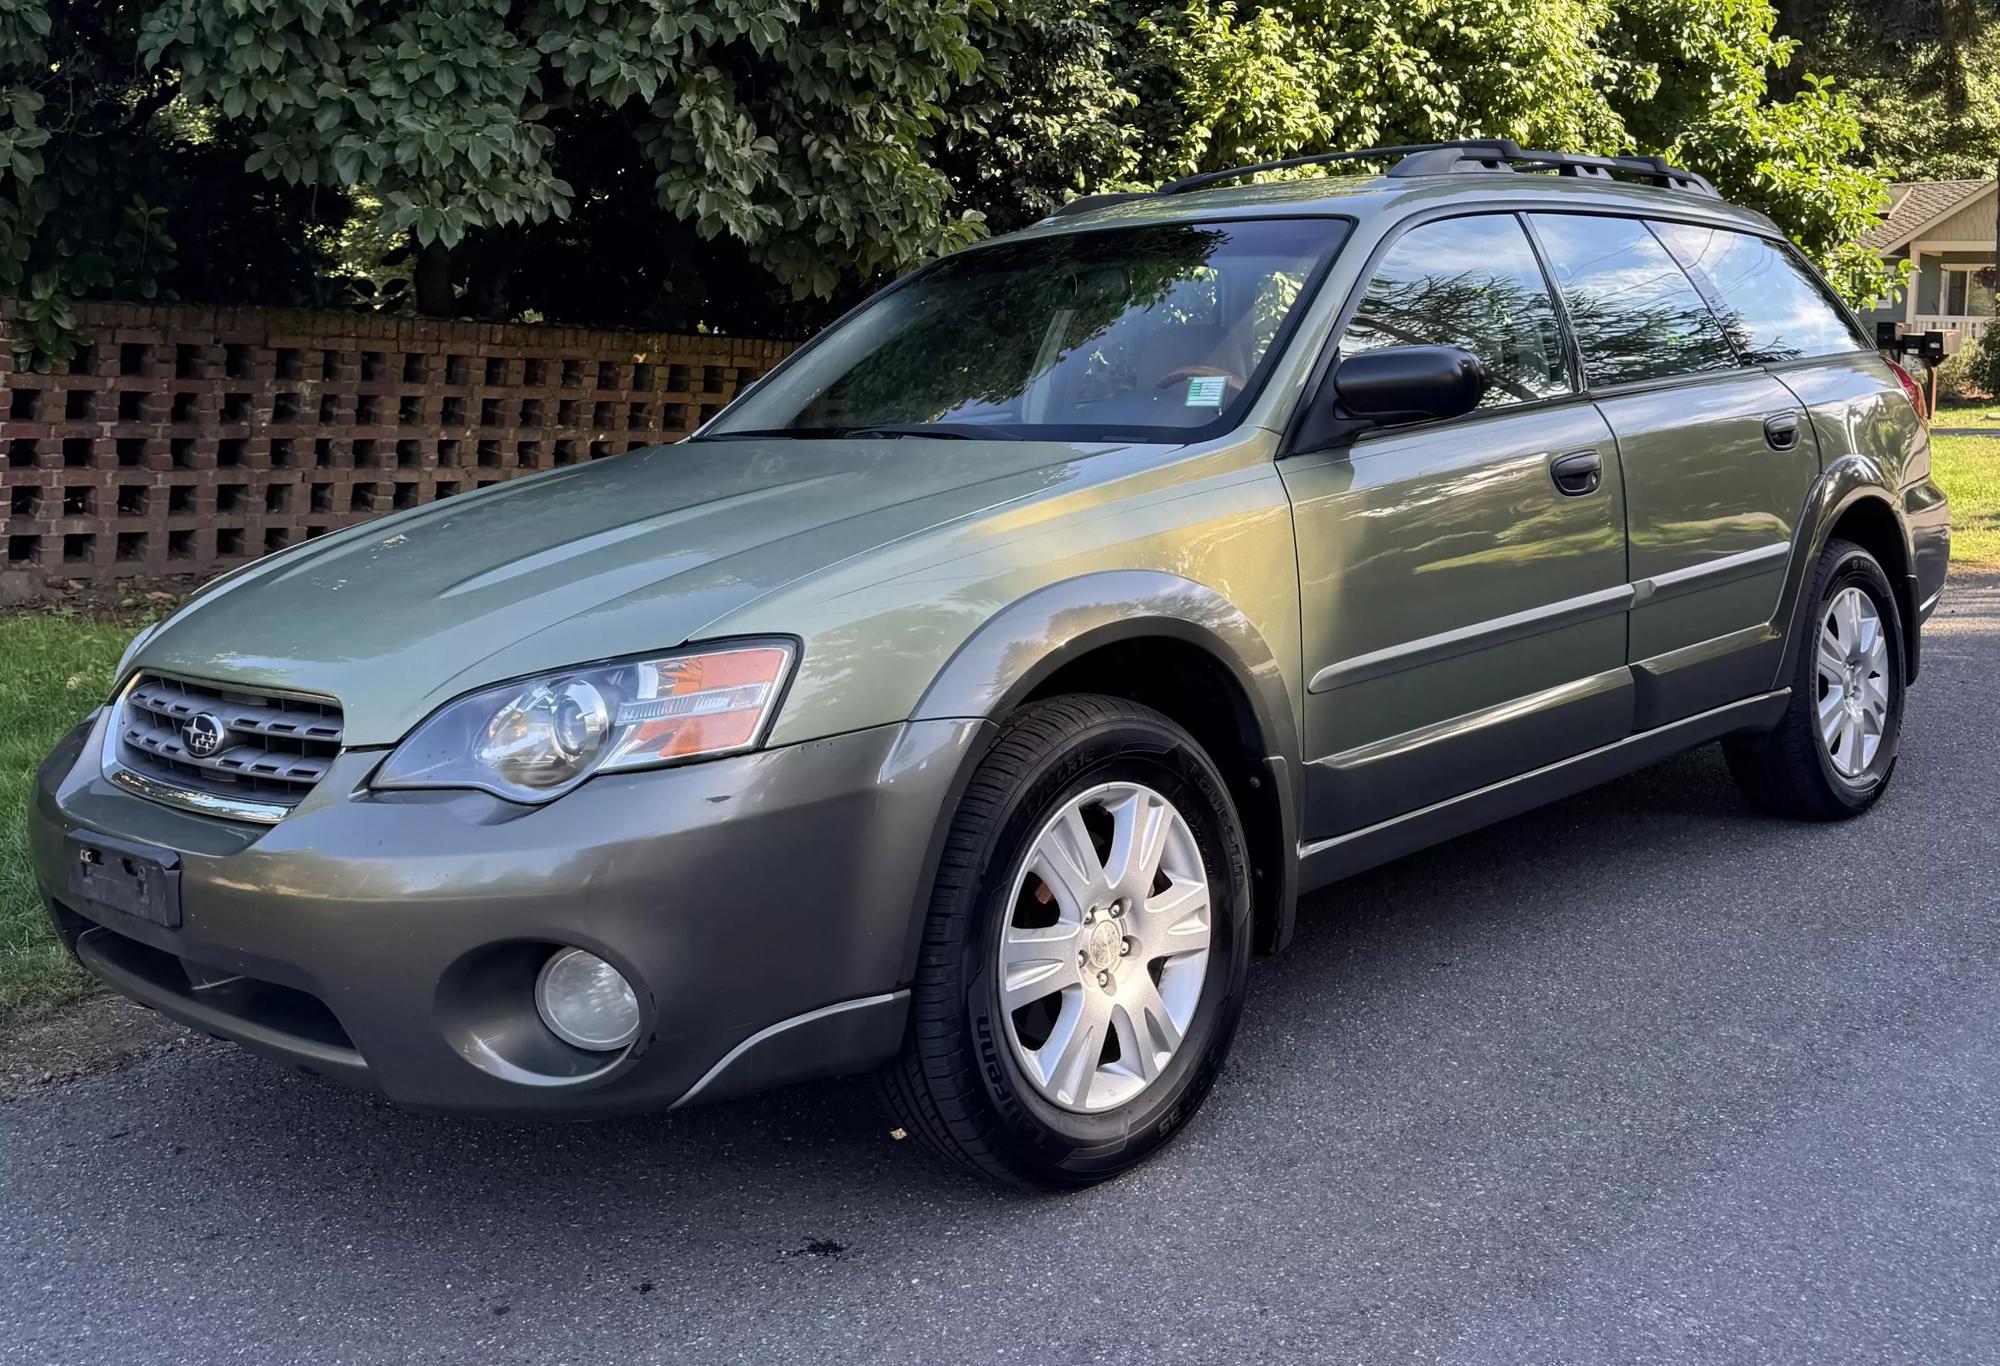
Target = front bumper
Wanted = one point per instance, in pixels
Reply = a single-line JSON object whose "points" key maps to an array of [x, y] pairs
{"points": [[765, 907]]}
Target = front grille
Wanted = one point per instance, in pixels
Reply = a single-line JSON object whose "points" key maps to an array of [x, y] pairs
{"points": [[272, 751]]}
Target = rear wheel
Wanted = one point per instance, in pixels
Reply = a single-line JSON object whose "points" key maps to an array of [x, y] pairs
{"points": [[1835, 750], [1084, 959]]}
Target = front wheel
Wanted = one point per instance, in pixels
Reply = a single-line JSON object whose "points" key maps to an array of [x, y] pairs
{"points": [[1084, 960], [1835, 750]]}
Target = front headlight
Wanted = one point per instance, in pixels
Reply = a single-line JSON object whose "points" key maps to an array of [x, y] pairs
{"points": [[534, 740]]}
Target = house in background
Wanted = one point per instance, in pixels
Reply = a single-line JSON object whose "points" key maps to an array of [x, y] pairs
{"points": [[1947, 228]]}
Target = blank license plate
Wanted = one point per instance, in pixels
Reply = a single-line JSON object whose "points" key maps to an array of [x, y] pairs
{"points": [[134, 879]]}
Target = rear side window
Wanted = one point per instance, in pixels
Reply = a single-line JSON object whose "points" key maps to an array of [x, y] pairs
{"points": [[1470, 282], [1635, 313], [1771, 307]]}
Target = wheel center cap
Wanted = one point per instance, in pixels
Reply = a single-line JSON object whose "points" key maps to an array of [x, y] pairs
{"points": [[1101, 943]]}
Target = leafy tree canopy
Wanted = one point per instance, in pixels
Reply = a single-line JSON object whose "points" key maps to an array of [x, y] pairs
{"points": [[751, 164], [1926, 78], [1687, 78]]}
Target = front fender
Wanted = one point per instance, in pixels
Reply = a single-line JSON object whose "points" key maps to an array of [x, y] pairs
{"points": [[1026, 643]]}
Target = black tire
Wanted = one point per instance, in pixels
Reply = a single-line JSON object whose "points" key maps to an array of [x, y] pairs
{"points": [[956, 1083], [1789, 771]]}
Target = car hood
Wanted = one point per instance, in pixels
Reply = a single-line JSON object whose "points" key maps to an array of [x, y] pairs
{"points": [[634, 553]]}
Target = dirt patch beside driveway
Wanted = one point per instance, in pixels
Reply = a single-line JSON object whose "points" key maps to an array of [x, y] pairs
{"points": [[102, 1034]]}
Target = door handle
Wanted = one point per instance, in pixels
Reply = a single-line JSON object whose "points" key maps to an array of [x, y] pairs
{"points": [[1577, 473], [1782, 431]]}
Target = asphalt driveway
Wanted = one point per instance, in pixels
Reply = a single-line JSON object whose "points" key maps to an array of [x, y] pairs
{"points": [[1640, 1077]]}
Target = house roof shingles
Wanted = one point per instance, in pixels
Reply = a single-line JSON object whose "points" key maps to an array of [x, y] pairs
{"points": [[1916, 203]]}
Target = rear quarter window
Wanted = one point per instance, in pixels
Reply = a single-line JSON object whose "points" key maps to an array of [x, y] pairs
{"points": [[1768, 301]]}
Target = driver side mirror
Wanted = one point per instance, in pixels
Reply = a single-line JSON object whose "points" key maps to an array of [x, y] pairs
{"points": [[1410, 383], [1392, 385]]}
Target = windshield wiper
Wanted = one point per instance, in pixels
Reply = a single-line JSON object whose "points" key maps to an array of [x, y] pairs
{"points": [[943, 431], [767, 434]]}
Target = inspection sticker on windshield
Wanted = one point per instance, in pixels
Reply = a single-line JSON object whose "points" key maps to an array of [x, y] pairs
{"points": [[1205, 391]]}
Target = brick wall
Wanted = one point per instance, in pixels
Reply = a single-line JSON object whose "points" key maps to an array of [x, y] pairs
{"points": [[184, 441]]}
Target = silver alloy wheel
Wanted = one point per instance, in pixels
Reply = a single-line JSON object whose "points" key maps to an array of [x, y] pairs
{"points": [[1102, 955], [1853, 681]]}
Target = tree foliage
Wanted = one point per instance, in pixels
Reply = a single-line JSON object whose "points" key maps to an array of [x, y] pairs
{"points": [[1687, 78], [752, 164], [797, 129], [110, 185], [1926, 77]]}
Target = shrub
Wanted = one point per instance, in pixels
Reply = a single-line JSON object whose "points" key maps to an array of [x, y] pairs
{"points": [[1960, 377], [1982, 361]]}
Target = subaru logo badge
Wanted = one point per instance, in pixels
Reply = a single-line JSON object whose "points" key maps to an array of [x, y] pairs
{"points": [[203, 734]]}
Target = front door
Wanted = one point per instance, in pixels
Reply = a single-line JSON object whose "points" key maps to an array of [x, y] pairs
{"points": [[1464, 614], [1718, 455]]}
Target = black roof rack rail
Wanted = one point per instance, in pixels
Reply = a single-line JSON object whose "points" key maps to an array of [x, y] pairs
{"points": [[1207, 178], [1472, 154]]}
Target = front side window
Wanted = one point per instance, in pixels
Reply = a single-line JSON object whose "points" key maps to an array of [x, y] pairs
{"points": [[1470, 282], [1770, 306], [1150, 333], [1635, 313]]}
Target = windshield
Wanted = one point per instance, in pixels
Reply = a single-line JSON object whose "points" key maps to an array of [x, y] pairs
{"points": [[1136, 334]]}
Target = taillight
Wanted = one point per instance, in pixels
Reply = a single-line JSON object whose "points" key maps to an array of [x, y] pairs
{"points": [[1914, 390]]}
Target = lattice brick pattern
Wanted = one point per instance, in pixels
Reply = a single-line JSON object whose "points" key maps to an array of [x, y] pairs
{"points": [[186, 441]]}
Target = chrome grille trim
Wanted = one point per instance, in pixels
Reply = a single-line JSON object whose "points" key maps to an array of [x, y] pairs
{"points": [[283, 745], [300, 720]]}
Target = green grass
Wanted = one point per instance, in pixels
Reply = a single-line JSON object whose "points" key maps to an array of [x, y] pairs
{"points": [[54, 667], [1969, 412], [1967, 468]]}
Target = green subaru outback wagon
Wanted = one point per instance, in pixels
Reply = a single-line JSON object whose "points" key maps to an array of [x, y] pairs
{"points": [[975, 696]]}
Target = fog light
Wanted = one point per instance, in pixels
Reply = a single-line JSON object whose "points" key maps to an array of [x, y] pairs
{"points": [[587, 1002]]}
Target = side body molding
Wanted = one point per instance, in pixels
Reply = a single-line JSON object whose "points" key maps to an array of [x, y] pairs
{"points": [[1028, 641]]}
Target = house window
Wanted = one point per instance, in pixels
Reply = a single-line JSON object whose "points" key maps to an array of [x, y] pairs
{"points": [[1964, 295]]}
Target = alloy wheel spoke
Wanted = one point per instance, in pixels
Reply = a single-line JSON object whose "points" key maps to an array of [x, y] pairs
{"points": [[1138, 840], [1847, 751], [1036, 962], [1147, 1034], [1069, 1057], [1875, 693], [1067, 861], [1848, 608], [1176, 921], [1867, 630], [1832, 659], [1159, 1036]]}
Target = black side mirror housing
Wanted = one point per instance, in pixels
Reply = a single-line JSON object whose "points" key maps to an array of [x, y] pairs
{"points": [[1381, 388], [1410, 383]]}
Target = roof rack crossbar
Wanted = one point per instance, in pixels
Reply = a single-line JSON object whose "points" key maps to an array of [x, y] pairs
{"points": [[1658, 170], [1470, 154]]}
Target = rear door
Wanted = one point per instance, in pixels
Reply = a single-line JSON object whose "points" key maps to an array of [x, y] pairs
{"points": [[1718, 457], [1463, 615]]}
